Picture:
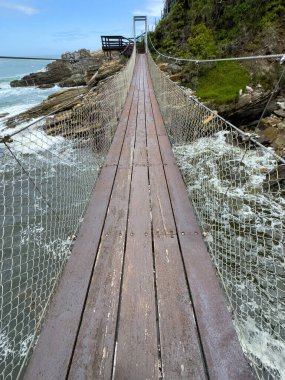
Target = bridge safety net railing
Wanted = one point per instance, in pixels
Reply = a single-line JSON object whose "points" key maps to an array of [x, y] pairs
{"points": [[237, 187], [48, 170]]}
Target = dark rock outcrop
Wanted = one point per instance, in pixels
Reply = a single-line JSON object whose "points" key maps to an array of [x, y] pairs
{"points": [[72, 70], [55, 73], [249, 108], [63, 103]]}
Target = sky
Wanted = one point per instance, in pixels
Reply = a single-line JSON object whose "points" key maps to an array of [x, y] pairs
{"points": [[52, 27]]}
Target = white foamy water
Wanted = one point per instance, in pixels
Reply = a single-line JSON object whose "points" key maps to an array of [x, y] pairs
{"points": [[14, 100], [33, 143], [243, 223], [45, 184], [17, 100]]}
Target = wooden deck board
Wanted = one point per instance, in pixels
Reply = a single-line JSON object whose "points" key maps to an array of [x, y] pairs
{"points": [[139, 298], [93, 355], [223, 355], [137, 320], [181, 354]]}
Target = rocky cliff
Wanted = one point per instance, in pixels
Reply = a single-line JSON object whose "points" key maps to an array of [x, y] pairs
{"points": [[82, 69], [73, 69], [238, 90]]}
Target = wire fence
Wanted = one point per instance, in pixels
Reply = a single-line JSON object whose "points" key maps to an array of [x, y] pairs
{"points": [[237, 187], [48, 171]]}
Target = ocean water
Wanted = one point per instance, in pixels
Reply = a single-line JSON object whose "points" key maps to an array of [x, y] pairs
{"points": [[14, 100], [45, 185], [243, 226]]}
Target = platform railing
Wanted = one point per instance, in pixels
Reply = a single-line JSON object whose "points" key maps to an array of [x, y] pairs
{"points": [[48, 171], [237, 187]]}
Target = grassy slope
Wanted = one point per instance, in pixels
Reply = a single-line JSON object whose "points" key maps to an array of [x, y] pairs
{"points": [[212, 28], [221, 84]]}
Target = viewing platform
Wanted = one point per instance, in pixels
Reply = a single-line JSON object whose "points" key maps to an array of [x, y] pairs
{"points": [[117, 43], [139, 297]]}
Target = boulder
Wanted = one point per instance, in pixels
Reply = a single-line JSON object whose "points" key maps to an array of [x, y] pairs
{"points": [[270, 121], [244, 100], [90, 72], [281, 105], [281, 126], [271, 132], [4, 114], [279, 144], [176, 77], [163, 67], [76, 55], [73, 81], [109, 68], [249, 108], [173, 68], [280, 113]]}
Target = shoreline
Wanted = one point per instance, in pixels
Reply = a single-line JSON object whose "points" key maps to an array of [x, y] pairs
{"points": [[96, 69]]}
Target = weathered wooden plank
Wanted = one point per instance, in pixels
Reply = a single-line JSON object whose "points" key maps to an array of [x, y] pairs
{"points": [[162, 216], [93, 355], [180, 347], [160, 128], [129, 109], [164, 143], [128, 146], [181, 354], [64, 316], [137, 354], [116, 147], [222, 350], [154, 157], [140, 154], [52, 354]]}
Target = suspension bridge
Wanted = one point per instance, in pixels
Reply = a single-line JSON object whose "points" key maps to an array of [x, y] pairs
{"points": [[172, 230]]}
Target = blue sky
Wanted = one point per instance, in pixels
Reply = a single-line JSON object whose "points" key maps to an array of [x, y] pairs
{"points": [[52, 27]]}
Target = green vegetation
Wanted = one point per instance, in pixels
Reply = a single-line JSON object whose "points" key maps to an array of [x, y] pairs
{"points": [[221, 84], [202, 43], [201, 29], [217, 27]]}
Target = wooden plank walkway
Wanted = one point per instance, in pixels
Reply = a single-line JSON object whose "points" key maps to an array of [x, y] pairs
{"points": [[139, 298]]}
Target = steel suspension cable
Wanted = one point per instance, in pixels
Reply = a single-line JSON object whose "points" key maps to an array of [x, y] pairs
{"points": [[270, 56]]}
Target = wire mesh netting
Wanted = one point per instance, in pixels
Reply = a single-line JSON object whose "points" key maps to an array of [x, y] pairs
{"points": [[48, 171], [237, 188]]}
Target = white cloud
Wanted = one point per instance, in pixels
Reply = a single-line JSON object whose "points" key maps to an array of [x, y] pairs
{"points": [[27, 10], [153, 8]]}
